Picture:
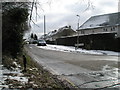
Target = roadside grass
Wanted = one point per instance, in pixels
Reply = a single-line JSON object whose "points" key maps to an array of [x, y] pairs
{"points": [[7, 61]]}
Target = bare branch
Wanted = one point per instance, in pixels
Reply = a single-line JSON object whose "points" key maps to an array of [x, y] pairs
{"points": [[49, 2], [35, 23], [39, 5], [36, 10], [90, 5], [32, 9]]}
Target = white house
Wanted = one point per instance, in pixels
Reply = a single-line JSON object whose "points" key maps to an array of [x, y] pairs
{"points": [[107, 23]]}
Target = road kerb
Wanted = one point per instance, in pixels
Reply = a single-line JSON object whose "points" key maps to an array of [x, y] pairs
{"points": [[71, 83]]}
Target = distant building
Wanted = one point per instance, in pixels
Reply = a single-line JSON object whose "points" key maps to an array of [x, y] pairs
{"points": [[61, 32], [107, 23]]}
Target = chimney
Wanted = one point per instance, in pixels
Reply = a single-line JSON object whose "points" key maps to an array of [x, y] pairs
{"points": [[69, 27]]}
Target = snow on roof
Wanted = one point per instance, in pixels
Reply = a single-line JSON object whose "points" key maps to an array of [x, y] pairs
{"points": [[102, 20], [52, 33], [63, 29]]}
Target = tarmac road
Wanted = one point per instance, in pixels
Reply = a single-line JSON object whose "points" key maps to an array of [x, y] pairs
{"points": [[81, 70]]}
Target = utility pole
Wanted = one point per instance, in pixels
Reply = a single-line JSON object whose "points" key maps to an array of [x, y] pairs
{"points": [[44, 26]]}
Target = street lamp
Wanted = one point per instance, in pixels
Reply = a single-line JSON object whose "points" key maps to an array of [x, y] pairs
{"points": [[78, 21], [78, 32]]}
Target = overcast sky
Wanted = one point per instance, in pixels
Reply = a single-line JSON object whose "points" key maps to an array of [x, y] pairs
{"points": [[60, 13]]}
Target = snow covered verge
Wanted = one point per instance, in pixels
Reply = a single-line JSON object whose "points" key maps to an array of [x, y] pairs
{"points": [[11, 77], [72, 49]]}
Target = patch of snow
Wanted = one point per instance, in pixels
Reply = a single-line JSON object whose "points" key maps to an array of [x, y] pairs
{"points": [[18, 78], [108, 76], [14, 75], [51, 33], [111, 71], [72, 49], [15, 63], [3, 86], [30, 47], [33, 69], [1, 78], [109, 52]]}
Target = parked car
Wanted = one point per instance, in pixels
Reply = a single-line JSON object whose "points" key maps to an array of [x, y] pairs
{"points": [[41, 43], [32, 41]]}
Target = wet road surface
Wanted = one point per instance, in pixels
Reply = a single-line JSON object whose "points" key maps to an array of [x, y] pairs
{"points": [[81, 70]]}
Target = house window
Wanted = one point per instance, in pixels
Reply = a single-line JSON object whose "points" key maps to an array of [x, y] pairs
{"points": [[82, 32], [104, 29], [113, 29]]}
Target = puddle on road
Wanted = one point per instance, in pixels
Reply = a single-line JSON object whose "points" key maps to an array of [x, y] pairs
{"points": [[109, 76], [104, 73], [111, 71]]}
